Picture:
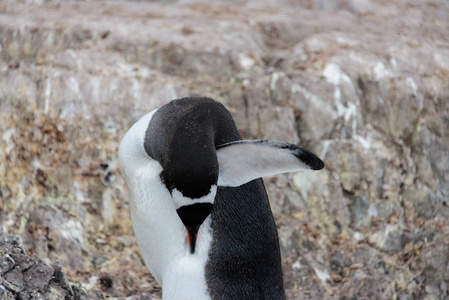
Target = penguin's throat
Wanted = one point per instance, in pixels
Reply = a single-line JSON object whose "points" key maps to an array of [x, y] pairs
{"points": [[193, 216], [193, 212]]}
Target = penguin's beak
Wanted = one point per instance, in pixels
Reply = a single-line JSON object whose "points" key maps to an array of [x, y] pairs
{"points": [[192, 216], [192, 234]]}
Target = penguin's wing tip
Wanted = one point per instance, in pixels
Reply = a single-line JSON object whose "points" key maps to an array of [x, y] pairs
{"points": [[308, 158]]}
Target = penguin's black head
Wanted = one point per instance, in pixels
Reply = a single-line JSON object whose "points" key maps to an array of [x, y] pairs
{"points": [[182, 136], [193, 179]]}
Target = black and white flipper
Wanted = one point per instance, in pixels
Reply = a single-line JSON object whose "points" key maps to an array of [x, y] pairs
{"points": [[245, 160]]}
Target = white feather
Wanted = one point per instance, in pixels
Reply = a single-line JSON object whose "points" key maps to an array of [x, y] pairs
{"points": [[181, 200]]}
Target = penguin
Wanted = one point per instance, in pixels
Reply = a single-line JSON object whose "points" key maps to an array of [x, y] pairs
{"points": [[199, 208]]}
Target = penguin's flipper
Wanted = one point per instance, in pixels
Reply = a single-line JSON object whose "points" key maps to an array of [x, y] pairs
{"points": [[242, 161]]}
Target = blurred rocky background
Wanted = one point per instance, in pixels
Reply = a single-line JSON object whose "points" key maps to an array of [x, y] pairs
{"points": [[363, 83]]}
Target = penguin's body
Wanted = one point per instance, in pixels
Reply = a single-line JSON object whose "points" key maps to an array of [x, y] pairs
{"points": [[200, 212]]}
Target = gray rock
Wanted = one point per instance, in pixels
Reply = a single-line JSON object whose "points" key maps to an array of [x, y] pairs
{"points": [[289, 242], [368, 287], [30, 277], [433, 264], [6, 263], [257, 96], [14, 280], [317, 113], [55, 230], [423, 200], [278, 123], [38, 275], [359, 210], [360, 6], [5, 294]]}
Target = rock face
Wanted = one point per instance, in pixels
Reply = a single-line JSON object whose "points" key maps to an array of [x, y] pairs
{"points": [[25, 277], [364, 84]]}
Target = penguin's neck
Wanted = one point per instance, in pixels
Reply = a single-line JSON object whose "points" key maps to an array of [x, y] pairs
{"points": [[184, 278]]}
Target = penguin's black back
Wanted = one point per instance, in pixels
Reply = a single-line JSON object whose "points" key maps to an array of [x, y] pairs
{"points": [[244, 259]]}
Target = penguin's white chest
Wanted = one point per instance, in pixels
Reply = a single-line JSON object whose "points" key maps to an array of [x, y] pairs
{"points": [[162, 238], [161, 235]]}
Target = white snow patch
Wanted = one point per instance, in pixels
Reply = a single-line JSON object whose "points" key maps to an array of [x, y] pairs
{"points": [[411, 83], [389, 229], [332, 73], [274, 79], [93, 281], [108, 209], [346, 41], [7, 135], [351, 111], [135, 89], [365, 142], [47, 94], [337, 95], [348, 113], [358, 236], [75, 58], [394, 63], [302, 182], [172, 91], [322, 275], [372, 211], [125, 69], [36, 164], [69, 110], [74, 86], [95, 82], [312, 98], [245, 61], [78, 193], [353, 55], [380, 71], [325, 148], [437, 57], [72, 230], [48, 88], [113, 86]]}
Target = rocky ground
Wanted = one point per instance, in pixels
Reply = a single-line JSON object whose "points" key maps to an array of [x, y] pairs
{"points": [[25, 277], [363, 83]]}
